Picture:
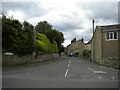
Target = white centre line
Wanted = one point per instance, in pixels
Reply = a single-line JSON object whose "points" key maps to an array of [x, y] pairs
{"points": [[68, 65], [69, 61], [66, 72]]}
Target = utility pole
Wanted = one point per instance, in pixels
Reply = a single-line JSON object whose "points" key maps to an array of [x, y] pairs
{"points": [[34, 54], [93, 41], [34, 36], [93, 25]]}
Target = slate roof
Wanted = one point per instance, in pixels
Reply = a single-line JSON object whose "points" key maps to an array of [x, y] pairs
{"points": [[110, 27]]}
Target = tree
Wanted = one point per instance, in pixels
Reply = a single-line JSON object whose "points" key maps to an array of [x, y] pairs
{"points": [[51, 34], [43, 26], [17, 37], [26, 45], [10, 33]]}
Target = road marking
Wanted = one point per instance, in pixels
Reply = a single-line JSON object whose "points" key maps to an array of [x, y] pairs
{"points": [[113, 77], [66, 72], [69, 61], [99, 77], [97, 72], [68, 64]]}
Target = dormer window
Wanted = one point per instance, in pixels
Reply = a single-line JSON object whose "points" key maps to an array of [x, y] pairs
{"points": [[111, 36]]}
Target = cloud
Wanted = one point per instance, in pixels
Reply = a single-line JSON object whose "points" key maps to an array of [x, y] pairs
{"points": [[66, 42], [30, 9]]}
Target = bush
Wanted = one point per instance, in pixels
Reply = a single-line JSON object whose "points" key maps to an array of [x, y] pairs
{"points": [[43, 44], [76, 54], [86, 53]]}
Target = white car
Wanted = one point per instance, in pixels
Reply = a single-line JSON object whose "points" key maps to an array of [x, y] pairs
{"points": [[9, 54]]}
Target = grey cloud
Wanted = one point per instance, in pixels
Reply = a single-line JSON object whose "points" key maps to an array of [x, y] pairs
{"points": [[70, 23], [66, 27], [31, 9], [102, 10]]}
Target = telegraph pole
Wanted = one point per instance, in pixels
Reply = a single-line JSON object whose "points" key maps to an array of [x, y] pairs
{"points": [[93, 25], [93, 41], [34, 54]]}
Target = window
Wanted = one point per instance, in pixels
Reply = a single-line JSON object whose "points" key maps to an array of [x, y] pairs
{"points": [[115, 35], [111, 36]]}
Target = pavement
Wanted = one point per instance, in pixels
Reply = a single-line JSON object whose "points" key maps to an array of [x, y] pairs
{"points": [[66, 72]]}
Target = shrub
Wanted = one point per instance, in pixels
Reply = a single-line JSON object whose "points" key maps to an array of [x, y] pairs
{"points": [[43, 44]]}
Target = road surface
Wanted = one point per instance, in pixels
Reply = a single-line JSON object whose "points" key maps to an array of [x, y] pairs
{"points": [[66, 72]]}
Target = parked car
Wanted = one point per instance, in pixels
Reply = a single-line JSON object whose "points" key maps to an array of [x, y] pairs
{"points": [[9, 54], [70, 54]]}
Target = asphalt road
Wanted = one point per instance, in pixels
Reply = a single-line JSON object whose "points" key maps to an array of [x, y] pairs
{"points": [[66, 72]]}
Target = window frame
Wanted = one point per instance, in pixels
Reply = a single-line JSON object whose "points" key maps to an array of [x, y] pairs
{"points": [[108, 38]]}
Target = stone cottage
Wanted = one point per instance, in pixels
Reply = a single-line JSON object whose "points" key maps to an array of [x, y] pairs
{"points": [[76, 46], [105, 45]]}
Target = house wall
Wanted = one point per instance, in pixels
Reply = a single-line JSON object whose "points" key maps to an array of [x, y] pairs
{"points": [[77, 46], [88, 46], [109, 48], [119, 44], [96, 45], [106, 52]]}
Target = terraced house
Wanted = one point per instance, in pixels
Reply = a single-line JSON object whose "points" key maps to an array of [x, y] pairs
{"points": [[106, 45], [76, 46]]}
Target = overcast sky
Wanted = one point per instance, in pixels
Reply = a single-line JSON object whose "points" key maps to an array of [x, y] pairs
{"points": [[72, 17]]}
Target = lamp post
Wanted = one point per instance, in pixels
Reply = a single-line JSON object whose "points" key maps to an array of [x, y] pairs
{"points": [[53, 47], [34, 54]]}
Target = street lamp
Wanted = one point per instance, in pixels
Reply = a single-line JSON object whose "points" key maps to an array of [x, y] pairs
{"points": [[34, 54]]}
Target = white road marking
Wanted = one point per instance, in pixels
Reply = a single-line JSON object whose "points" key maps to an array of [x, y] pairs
{"points": [[66, 72], [69, 61], [113, 77], [97, 72], [115, 70], [100, 77], [68, 64]]}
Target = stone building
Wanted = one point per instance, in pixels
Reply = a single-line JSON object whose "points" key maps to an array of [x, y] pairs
{"points": [[105, 45], [88, 46], [76, 47]]}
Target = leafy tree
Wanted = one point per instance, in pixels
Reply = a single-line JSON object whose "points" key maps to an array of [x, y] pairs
{"points": [[10, 33], [55, 47], [51, 34], [43, 26], [17, 37]]}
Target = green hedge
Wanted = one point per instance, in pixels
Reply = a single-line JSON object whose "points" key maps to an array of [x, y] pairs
{"points": [[43, 44]]}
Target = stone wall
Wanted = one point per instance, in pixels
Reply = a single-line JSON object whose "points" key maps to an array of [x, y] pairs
{"points": [[114, 63], [27, 59]]}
